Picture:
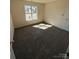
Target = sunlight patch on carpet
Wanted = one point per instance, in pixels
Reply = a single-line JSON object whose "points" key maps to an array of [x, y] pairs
{"points": [[42, 26]]}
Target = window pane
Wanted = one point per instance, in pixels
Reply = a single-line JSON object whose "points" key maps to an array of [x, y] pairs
{"points": [[28, 17], [34, 9], [34, 16], [28, 9], [34, 12]]}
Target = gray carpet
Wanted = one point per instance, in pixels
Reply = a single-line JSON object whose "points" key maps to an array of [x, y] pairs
{"points": [[34, 43]]}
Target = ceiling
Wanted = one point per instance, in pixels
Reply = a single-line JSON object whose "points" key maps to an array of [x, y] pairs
{"points": [[42, 1]]}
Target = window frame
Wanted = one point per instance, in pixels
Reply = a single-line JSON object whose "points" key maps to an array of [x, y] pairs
{"points": [[31, 12]]}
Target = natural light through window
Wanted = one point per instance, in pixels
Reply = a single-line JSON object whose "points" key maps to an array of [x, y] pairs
{"points": [[31, 12], [42, 26]]}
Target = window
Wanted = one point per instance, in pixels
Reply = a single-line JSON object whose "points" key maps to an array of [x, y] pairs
{"points": [[30, 12]]}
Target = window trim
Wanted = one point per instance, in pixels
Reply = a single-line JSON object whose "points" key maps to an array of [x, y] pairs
{"points": [[31, 12]]}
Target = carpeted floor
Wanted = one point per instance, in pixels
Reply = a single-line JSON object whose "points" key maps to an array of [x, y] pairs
{"points": [[34, 43]]}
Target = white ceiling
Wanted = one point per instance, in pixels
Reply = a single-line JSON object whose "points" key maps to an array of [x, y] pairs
{"points": [[42, 1]]}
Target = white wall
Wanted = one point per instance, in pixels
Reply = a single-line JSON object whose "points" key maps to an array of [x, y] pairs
{"points": [[56, 13]]}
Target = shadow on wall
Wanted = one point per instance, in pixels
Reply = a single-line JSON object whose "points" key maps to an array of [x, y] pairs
{"points": [[57, 13]]}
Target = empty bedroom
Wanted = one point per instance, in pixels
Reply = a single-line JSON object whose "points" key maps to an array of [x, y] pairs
{"points": [[39, 29]]}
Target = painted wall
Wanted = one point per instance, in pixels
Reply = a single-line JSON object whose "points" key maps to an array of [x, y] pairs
{"points": [[11, 29], [12, 56], [18, 13], [41, 1], [56, 13]]}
